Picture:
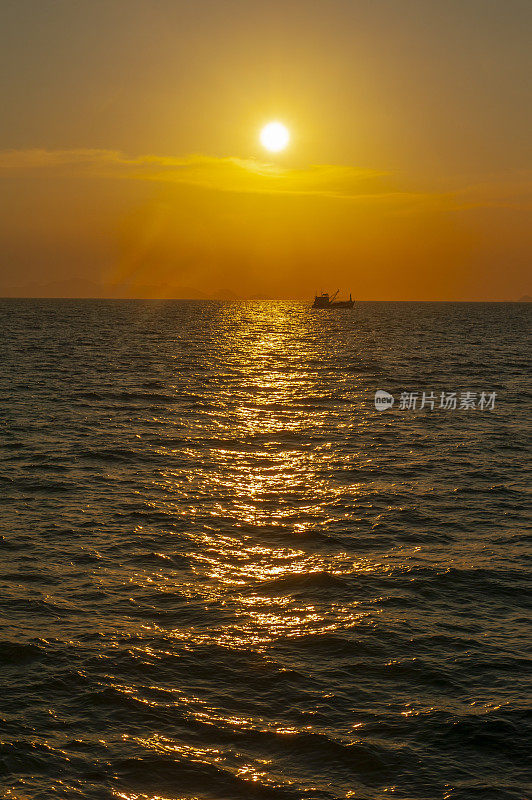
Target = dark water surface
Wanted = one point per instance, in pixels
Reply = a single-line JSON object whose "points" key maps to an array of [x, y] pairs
{"points": [[226, 575]]}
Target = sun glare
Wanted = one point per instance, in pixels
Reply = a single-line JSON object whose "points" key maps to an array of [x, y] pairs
{"points": [[274, 136]]}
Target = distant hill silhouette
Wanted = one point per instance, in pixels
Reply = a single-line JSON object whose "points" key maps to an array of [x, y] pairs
{"points": [[74, 288]]}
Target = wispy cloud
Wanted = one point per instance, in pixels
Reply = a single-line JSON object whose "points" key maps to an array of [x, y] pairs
{"points": [[223, 174], [252, 176]]}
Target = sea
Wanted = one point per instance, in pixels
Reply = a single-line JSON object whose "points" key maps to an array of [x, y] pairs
{"points": [[227, 575]]}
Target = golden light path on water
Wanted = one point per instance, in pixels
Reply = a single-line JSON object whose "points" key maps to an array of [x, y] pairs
{"points": [[232, 567], [279, 486]]}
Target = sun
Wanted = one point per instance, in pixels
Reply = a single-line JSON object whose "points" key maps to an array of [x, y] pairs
{"points": [[275, 136]]}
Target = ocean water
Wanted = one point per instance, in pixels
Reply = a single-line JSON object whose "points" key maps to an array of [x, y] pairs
{"points": [[226, 576]]}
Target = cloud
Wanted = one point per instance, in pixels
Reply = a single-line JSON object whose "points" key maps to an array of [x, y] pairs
{"points": [[220, 174], [230, 174]]}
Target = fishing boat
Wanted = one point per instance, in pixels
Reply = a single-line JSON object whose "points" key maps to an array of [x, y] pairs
{"points": [[324, 301]]}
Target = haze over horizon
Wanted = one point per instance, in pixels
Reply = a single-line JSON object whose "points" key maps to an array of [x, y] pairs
{"points": [[131, 164]]}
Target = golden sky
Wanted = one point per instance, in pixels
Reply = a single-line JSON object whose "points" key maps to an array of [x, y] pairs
{"points": [[131, 165]]}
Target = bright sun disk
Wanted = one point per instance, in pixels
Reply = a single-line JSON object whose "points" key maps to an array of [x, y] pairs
{"points": [[274, 136]]}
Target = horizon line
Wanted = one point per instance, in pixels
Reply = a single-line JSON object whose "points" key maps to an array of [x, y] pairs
{"points": [[524, 299]]}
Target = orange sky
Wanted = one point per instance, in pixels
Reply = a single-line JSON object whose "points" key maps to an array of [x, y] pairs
{"points": [[130, 163]]}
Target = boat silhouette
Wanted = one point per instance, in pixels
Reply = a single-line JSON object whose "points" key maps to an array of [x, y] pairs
{"points": [[324, 301]]}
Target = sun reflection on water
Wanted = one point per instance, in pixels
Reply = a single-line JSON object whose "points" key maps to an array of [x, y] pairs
{"points": [[249, 499], [262, 473]]}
